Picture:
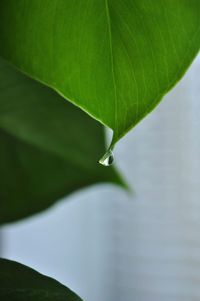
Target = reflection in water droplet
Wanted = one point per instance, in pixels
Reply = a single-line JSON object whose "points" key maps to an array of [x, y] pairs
{"points": [[107, 159]]}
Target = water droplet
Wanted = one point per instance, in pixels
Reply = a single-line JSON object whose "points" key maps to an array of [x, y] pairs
{"points": [[107, 159]]}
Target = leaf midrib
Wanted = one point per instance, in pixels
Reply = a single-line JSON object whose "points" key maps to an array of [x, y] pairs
{"points": [[112, 65]]}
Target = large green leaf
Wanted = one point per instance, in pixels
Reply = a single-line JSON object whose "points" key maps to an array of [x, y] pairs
{"points": [[21, 283], [48, 147], [113, 58]]}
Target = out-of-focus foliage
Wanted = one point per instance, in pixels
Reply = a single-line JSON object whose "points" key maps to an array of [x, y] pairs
{"points": [[48, 147], [19, 282]]}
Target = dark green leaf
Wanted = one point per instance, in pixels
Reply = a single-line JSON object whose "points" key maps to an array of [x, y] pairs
{"points": [[48, 147], [113, 58], [21, 283]]}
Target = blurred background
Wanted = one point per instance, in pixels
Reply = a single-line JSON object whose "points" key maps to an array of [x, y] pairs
{"points": [[108, 245]]}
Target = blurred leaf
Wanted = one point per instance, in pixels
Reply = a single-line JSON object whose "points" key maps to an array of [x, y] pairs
{"points": [[115, 59], [48, 147], [21, 283]]}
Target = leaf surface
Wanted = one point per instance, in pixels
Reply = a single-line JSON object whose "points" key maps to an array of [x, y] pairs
{"points": [[19, 282], [113, 58], [48, 147]]}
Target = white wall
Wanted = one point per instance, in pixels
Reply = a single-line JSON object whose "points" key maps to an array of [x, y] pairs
{"points": [[107, 245]]}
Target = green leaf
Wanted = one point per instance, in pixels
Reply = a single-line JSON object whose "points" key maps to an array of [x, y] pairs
{"points": [[19, 282], [113, 58], [48, 147]]}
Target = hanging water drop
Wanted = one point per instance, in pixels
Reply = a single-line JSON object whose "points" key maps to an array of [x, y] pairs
{"points": [[107, 159]]}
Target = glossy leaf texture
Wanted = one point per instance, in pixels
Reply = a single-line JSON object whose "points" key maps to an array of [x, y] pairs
{"points": [[48, 147], [19, 282], [113, 58]]}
